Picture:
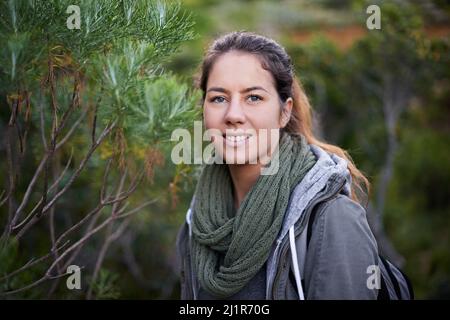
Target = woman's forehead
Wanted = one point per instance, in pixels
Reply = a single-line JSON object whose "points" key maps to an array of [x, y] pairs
{"points": [[238, 70]]}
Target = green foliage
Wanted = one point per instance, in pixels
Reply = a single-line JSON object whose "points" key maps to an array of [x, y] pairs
{"points": [[111, 71], [418, 208], [118, 53], [148, 111], [11, 260], [165, 105], [8, 256], [102, 23], [105, 286]]}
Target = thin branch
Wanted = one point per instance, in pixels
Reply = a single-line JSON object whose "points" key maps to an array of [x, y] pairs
{"points": [[105, 180], [41, 113], [107, 241], [27, 123], [29, 216], [12, 180], [123, 195], [35, 218], [32, 285], [80, 242], [135, 210], [38, 205], [37, 282], [94, 220], [47, 155], [94, 122], [77, 245], [119, 231], [27, 194], [81, 166], [119, 191], [91, 225], [3, 200], [56, 128], [55, 184], [78, 224], [110, 237], [122, 209], [71, 130], [31, 263], [52, 221], [99, 207], [19, 135]]}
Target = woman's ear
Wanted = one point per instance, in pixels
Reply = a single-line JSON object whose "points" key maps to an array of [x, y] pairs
{"points": [[286, 112]]}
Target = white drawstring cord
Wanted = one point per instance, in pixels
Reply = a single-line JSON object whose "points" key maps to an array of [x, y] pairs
{"points": [[295, 263], [189, 221]]}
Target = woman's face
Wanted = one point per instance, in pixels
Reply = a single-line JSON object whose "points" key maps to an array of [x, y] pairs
{"points": [[241, 101]]}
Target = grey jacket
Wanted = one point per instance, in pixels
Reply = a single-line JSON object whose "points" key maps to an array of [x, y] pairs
{"points": [[340, 252]]}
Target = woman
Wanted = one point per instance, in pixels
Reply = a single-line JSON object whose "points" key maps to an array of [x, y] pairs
{"points": [[244, 236]]}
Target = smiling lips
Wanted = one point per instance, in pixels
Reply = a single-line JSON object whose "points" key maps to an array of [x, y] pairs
{"points": [[235, 139]]}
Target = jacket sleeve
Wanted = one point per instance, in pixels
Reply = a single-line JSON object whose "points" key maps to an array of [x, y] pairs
{"points": [[341, 249]]}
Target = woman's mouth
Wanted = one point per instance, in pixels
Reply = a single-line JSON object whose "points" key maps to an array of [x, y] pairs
{"points": [[235, 140]]}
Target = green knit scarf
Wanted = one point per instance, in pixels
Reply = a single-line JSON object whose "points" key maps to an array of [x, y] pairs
{"points": [[230, 247]]}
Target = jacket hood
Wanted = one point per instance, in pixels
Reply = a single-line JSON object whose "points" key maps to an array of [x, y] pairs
{"points": [[328, 168]]}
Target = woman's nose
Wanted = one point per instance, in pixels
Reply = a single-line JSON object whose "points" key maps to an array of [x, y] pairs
{"points": [[235, 113]]}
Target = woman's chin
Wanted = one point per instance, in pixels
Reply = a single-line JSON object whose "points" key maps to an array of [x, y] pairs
{"points": [[237, 159]]}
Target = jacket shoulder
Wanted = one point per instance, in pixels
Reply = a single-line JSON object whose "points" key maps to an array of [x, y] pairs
{"points": [[341, 209], [341, 248]]}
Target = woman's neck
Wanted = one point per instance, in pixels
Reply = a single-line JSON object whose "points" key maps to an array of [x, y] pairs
{"points": [[243, 177]]}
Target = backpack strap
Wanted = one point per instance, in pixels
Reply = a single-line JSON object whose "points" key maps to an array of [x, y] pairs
{"points": [[392, 277], [311, 219], [383, 292], [397, 280]]}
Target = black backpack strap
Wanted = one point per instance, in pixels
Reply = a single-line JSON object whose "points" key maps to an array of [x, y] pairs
{"points": [[312, 217], [392, 277], [400, 279], [383, 293]]}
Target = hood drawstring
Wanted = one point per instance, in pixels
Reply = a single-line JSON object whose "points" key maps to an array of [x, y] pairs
{"points": [[298, 279]]}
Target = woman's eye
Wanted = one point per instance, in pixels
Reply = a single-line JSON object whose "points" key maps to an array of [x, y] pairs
{"points": [[217, 99], [254, 98]]}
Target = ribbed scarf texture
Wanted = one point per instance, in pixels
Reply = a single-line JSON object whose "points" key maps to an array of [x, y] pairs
{"points": [[229, 247]]}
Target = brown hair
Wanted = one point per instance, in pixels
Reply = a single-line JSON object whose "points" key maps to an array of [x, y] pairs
{"points": [[275, 60]]}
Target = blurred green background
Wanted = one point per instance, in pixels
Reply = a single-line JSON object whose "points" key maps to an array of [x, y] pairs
{"points": [[381, 94]]}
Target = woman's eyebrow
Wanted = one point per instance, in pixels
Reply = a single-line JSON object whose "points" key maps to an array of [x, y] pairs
{"points": [[254, 88], [219, 89]]}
